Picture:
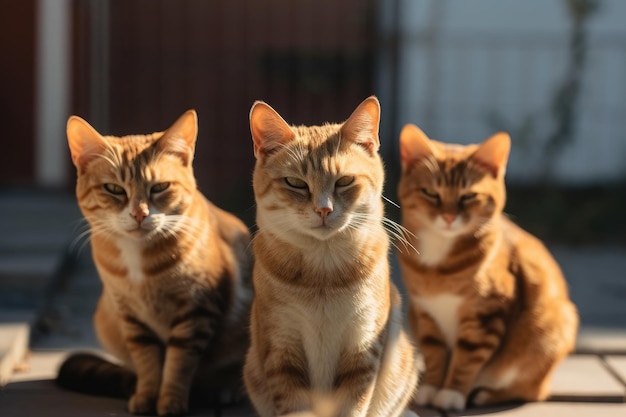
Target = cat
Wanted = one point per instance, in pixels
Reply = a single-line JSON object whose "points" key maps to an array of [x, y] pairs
{"points": [[175, 269], [326, 319], [489, 306]]}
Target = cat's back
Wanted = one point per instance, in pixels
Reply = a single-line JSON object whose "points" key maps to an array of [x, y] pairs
{"points": [[532, 262]]}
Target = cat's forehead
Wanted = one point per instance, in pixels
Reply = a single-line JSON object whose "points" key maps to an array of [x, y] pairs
{"points": [[136, 143], [450, 165], [453, 151], [314, 137]]}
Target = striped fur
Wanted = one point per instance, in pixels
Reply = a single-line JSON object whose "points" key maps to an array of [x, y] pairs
{"points": [[489, 305], [326, 319], [175, 268]]}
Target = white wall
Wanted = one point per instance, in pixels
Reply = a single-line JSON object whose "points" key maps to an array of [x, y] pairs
{"points": [[52, 92], [461, 62]]}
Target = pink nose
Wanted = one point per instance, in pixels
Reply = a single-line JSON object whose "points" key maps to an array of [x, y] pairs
{"points": [[140, 213], [323, 211], [449, 218]]}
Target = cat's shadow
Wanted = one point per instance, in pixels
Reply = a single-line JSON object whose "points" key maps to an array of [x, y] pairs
{"points": [[472, 410]]}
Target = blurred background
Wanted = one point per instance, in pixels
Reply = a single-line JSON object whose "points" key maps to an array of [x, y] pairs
{"points": [[550, 72]]}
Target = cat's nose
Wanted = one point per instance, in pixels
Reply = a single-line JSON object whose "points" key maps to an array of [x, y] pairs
{"points": [[140, 213], [323, 211], [448, 217]]}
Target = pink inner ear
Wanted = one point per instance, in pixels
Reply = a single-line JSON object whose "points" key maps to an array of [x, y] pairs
{"points": [[362, 125], [414, 145], [269, 130]]}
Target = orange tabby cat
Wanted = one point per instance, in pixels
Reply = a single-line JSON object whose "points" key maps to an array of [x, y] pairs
{"points": [[175, 268], [326, 319], [489, 305]]}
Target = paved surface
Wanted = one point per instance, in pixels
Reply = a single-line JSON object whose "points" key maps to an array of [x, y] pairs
{"points": [[48, 293]]}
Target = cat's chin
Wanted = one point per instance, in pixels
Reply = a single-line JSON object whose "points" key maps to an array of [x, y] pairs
{"points": [[322, 232], [450, 232], [140, 234]]}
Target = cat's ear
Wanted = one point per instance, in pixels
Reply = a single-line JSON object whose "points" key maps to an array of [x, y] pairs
{"points": [[362, 125], [414, 146], [269, 130], [493, 153], [180, 138], [84, 141]]}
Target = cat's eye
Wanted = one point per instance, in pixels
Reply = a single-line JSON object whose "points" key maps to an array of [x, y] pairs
{"points": [[467, 197], [114, 189], [430, 193], [162, 186], [344, 181], [296, 182]]}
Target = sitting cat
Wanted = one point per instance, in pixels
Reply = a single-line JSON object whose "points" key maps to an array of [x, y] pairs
{"points": [[489, 306], [175, 270], [326, 318]]}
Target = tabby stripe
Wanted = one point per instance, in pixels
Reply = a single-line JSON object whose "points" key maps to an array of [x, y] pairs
{"points": [[182, 341], [493, 323], [210, 313], [144, 339], [195, 344], [431, 341], [459, 265], [354, 376], [145, 335], [136, 322], [160, 267], [472, 346], [297, 376]]}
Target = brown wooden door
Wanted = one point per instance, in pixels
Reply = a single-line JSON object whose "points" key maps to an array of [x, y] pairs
{"points": [[309, 59], [17, 92]]}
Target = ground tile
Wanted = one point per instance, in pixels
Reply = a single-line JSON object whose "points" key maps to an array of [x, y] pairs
{"points": [[13, 348], [548, 409], [618, 365], [585, 378]]}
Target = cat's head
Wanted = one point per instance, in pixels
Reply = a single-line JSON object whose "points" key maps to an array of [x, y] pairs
{"points": [[317, 181], [451, 189], [135, 186]]}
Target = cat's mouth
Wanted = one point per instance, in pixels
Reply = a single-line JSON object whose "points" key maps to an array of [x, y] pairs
{"points": [[141, 232]]}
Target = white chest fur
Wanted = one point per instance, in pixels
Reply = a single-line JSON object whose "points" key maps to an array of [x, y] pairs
{"points": [[433, 247], [325, 331], [130, 252], [443, 308]]}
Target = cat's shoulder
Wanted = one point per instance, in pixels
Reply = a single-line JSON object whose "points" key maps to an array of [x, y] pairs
{"points": [[520, 238]]}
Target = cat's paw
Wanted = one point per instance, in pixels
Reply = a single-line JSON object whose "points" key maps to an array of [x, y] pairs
{"points": [[425, 394], [482, 398], [142, 404], [449, 399], [171, 405]]}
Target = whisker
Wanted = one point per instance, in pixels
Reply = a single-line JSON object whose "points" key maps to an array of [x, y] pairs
{"points": [[391, 202]]}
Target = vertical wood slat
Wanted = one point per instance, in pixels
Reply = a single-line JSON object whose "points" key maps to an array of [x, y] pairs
{"points": [[17, 96], [168, 56]]}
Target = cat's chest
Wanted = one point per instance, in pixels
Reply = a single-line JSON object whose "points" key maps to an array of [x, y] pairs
{"points": [[444, 310], [433, 247], [326, 330], [131, 258]]}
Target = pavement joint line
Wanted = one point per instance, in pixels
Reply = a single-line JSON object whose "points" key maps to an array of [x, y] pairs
{"points": [[613, 372]]}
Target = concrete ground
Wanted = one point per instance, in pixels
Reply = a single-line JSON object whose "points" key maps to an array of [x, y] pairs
{"points": [[48, 290]]}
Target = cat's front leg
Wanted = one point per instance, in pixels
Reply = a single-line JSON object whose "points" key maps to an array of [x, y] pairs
{"points": [[191, 333], [356, 379], [288, 380], [475, 345], [146, 352], [435, 352]]}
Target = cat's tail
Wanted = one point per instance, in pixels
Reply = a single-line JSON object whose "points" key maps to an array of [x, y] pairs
{"points": [[90, 374]]}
